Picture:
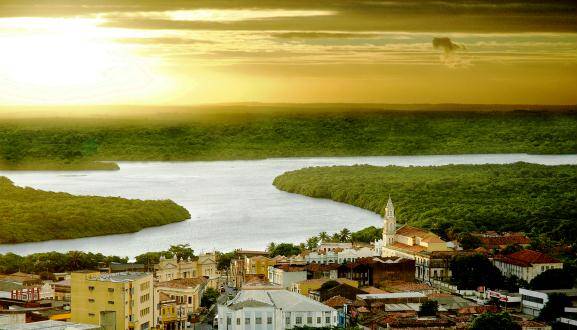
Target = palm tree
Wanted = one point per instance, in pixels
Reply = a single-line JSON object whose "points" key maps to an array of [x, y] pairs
{"points": [[335, 237], [324, 237], [345, 235], [271, 246]]}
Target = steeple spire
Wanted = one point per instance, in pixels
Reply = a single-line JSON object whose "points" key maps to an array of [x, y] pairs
{"points": [[390, 223]]}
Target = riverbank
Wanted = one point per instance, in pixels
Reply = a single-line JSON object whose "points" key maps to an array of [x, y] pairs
{"points": [[58, 166], [30, 215], [451, 199]]}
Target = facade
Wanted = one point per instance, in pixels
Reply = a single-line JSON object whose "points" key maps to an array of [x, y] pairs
{"points": [[124, 300], [172, 269], [61, 290], [339, 255], [169, 314], [533, 301], [434, 265], [493, 240], [405, 241], [187, 292], [371, 271], [526, 264], [286, 275], [274, 309], [258, 265], [22, 286]]}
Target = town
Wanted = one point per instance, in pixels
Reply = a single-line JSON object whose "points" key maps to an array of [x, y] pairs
{"points": [[408, 279]]}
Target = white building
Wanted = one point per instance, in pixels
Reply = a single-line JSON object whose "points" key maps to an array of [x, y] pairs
{"points": [[406, 241], [533, 301], [340, 256], [526, 264], [286, 275], [333, 247], [274, 309]]}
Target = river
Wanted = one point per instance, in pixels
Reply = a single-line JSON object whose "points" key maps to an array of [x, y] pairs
{"points": [[233, 204]]}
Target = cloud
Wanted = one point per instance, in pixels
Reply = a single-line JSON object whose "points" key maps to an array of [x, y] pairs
{"points": [[446, 44], [323, 35], [164, 40]]}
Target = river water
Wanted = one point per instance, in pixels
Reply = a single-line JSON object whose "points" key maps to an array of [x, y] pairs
{"points": [[233, 204]]}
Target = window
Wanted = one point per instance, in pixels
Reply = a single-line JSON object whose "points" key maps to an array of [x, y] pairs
{"points": [[299, 320], [269, 320], [111, 302], [91, 314], [328, 320], [90, 288], [258, 320], [110, 289], [247, 320], [90, 300], [288, 320], [228, 321], [310, 320], [319, 320], [238, 321], [189, 300]]}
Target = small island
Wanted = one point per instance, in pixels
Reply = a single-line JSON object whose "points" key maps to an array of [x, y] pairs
{"points": [[31, 215]]}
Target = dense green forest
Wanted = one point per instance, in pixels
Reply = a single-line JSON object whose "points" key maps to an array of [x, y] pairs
{"points": [[58, 166], [286, 132], [452, 199], [28, 214]]}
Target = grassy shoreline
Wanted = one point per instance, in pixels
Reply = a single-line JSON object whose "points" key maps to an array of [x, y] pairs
{"points": [[31, 215], [59, 166]]}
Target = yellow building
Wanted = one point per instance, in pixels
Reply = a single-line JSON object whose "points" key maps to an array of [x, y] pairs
{"points": [[259, 265], [303, 287], [187, 293], [168, 313], [173, 269], [118, 300]]}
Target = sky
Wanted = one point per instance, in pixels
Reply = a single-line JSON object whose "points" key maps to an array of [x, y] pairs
{"points": [[153, 52]]}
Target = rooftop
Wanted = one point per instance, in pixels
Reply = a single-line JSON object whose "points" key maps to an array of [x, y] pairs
{"points": [[393, 295], [282, 299], [120, 277], [526, 258], [50, 325], [426, 236], [182, 283]]}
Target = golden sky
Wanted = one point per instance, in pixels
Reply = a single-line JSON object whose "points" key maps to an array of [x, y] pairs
{"points": [[185, 52]]}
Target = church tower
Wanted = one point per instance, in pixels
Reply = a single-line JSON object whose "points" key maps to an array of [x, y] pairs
{"points": [[390, 224]]}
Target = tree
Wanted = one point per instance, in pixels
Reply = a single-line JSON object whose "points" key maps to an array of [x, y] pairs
{"points": [[223, 260], [345, 235], [324, 237], [511, 249], [552, 279], [182, 252], [312, 243], [469, 242], [494, 321], [285, 249], [367, 235], [271, 246], [429, 308], [555, 307], [513, 283], [152, 258], [335, 238], [472, 271], [209, 297]]}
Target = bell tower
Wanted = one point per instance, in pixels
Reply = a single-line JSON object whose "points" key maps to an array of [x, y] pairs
{"points": [[390, 224]]}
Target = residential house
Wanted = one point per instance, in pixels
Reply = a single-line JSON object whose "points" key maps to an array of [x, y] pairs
{"points": [[493, 240], [274, 309], [325, 247], [258, 265], [170, 314], [122, 300], [21, 286], [341, 290], [61, 290], [525, 264]]}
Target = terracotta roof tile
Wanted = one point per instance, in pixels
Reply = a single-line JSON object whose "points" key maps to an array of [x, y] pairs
{"points": [[337, 302], [526, 258]]}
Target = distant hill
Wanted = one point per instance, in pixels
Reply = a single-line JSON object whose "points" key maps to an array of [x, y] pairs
{"points": [[29, 215], [253, 132]]}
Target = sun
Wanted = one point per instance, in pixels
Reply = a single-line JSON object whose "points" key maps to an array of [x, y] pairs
{"points": [[67, 60]]}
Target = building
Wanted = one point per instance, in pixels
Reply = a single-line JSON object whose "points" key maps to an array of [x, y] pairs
{"points": [[493, 240], [304, 287], [533, 301], [330, 271], [391, 302], [286, 275], [50, 325], [124, 300], [525, 264], [325, 247], [405, 241], [340, 290], [169, 315], [339, 255], [434, 265], [61, 290], [258, 265], [371, 271], [172, 269], [238, 266], [22, 286], [274, 309], [187, 292]]}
